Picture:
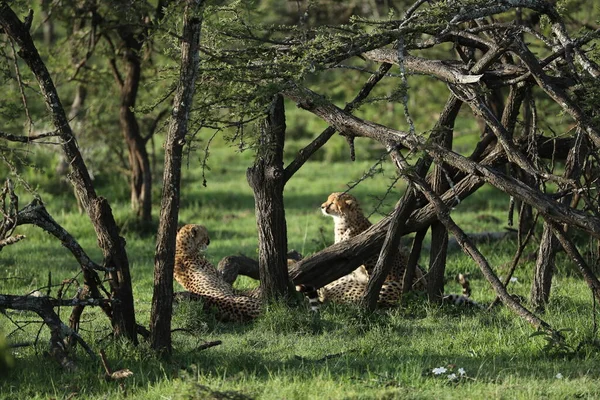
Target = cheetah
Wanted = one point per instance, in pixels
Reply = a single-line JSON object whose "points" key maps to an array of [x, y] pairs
{"points": [[350, 221], [198, 275]]}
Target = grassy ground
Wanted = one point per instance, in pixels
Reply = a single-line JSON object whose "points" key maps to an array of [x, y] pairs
{"points": [[287, 353]]}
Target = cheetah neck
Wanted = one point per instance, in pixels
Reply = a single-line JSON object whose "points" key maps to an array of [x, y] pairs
{"points": [[349, 226]]}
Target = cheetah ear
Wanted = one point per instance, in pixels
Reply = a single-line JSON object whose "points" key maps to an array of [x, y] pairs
{"points": [[195, 230], [349, 202]]}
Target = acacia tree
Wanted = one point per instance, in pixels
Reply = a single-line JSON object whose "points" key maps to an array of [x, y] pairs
{"points": [[160, 324], [118, 37], [492, 71]]}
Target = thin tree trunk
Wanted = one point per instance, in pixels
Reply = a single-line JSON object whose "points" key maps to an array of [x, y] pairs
{"points": [[98, 209], [267, 179], [545, 264], [390, 249], [544, 269], [164, 259], [439, 233], [139, 162]]}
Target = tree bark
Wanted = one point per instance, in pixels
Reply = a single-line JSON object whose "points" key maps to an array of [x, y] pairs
{"points": [[164, 259], [390, 249], [139, 162], [98, 209], [267, 180], [544, 269]]}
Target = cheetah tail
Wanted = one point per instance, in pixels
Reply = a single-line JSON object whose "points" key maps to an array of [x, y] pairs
{"points": [[466, 285], [311, 294]]}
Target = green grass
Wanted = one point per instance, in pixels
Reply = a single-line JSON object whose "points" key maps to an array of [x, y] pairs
{"points": [[287, 353]]}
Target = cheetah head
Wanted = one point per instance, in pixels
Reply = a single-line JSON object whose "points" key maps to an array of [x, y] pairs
{"points": [[339, 204], [192, 238]]}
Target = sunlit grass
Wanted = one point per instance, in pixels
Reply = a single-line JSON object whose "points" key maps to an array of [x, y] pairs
{"points": [[287, 352]]}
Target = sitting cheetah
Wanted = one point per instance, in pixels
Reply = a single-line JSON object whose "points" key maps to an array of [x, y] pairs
{"points": [[198, 275], [350, 221]]}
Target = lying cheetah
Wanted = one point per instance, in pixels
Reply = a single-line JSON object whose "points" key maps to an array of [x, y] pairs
{"points": [[198, 275], [350, 221]]}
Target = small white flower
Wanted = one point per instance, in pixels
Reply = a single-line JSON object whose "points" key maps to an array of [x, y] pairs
{"points": [[438, 371], [452, 377], [514, 279], [462, 372], [559, 376]]}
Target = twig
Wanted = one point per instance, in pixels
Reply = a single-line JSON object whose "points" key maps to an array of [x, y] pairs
{"points": [[325, 358], [208, 345]]}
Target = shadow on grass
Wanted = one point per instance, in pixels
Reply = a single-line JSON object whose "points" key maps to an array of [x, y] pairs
{"points": [[344, 342]]}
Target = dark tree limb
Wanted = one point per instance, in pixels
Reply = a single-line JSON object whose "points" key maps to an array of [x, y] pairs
{"points": [[356, 126], [164, 260], [390, 249], [305, 153], [232, 266], [27, 139], [267, 180], [59, 332]]}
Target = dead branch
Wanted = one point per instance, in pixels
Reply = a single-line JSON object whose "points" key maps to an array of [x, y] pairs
{"points": [[443, 214], [35, 213], [305, 153], [356, 126], [11, 240], [208, 345], [59, 332]]}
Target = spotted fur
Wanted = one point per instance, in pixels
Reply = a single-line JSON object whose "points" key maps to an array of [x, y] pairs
{"points": [[198, 275], [349, 221]]}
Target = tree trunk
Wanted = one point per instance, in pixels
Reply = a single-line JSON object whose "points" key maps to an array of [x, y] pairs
{"points": [[99, 212], [139, 162], [545, 265], [47, 23], [267, 180], [164, 259], [439, 233], [544, 269], [390, 249]]}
